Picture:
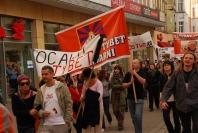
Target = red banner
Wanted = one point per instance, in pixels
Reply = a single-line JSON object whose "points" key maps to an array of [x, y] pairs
{"points": [[184, 42], [111, 24]]}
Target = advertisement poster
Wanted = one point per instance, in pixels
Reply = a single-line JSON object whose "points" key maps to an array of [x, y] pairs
{"points": [[184, 42]]}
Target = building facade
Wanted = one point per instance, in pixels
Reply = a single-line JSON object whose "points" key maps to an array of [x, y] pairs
{"points": [[183, 15], [27, 24], [194, 16]]}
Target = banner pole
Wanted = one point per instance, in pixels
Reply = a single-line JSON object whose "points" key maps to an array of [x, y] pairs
{"points": [[134, 91]]}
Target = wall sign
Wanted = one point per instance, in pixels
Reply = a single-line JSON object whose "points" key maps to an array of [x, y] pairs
{"points": [[150, 13]]}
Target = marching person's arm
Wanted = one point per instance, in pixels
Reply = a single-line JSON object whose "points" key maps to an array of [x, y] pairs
{"points": [[168, 90], [161, 85], [127, 82], [100, 90], [37, 103], [69, 105], [141, 79]]}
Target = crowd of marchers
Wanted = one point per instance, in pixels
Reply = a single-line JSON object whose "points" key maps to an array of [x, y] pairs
{"points": [[84, 100]]}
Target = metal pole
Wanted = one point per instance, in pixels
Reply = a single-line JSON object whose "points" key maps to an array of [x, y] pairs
{"points": [[3, 74]]}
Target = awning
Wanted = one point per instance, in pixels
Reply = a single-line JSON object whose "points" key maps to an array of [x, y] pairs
{"points": [[163, 44]]}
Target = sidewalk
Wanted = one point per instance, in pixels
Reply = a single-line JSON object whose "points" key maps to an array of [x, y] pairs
{"points": [[152, 121]]}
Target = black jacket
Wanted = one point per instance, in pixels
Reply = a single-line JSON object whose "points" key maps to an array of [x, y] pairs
{"points": [[186, 99]]}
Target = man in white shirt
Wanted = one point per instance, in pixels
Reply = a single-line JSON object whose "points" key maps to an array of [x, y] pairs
{"points": [[56, 104]]}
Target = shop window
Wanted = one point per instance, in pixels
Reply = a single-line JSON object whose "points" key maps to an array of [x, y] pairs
{"points": [[49, 35], [16, 51]]}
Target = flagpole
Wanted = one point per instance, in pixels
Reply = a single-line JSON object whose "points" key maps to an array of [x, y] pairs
{"points": [[95, 58], [134, 91], [87, 83]]}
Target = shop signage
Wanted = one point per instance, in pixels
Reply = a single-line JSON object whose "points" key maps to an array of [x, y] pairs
{"points": [[136, 8], [129, 6], [133, 8], [150, 13], [17, 27]]}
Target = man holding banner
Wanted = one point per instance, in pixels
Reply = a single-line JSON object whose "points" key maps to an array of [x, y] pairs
{"points": [[134, 81]]}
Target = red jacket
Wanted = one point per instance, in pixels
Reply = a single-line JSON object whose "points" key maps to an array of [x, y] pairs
{"points": [[75, 97], [6, 121]]}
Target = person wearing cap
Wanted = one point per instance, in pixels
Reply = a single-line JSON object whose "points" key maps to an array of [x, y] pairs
{"points": [[176, 63], [91, 96], [184, 85], [55, 101], [168, 70], [22, 105]]}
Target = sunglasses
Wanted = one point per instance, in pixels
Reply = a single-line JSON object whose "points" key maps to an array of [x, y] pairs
{"points": [[25, 83]]}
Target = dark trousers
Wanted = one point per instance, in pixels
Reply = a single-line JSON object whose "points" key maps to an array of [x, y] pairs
{"points": [[78, 124], [126, 108], [186, 121], [153, 94], [106, 101], [26, 130], [166, 116]]}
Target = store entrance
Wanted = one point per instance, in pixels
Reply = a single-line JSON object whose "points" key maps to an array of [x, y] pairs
{"points": [[15, 61]]}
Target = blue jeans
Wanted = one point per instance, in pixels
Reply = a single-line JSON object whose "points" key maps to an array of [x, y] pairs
{"points": [[136, 110]]}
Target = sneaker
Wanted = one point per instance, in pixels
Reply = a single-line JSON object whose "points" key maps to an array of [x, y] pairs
{"points": [[103, 130]]}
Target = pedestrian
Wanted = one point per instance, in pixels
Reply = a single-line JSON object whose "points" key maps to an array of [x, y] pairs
{"points": [[118, 95], [137, 77], [22, 105], [6, 120], [93, 105], [176, 63], [152, 79], [168, 70], [56, 104], [12, 75], [184, 85], [102, 76]]}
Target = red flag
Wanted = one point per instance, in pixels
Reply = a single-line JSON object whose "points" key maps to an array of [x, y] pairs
{"points": [[111, 24]]}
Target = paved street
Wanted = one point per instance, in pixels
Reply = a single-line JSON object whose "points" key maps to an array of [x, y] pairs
{"points": [[152, 122]]}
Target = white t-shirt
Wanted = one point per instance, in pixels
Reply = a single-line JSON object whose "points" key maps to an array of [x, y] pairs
{"points": [[52, 105]]}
